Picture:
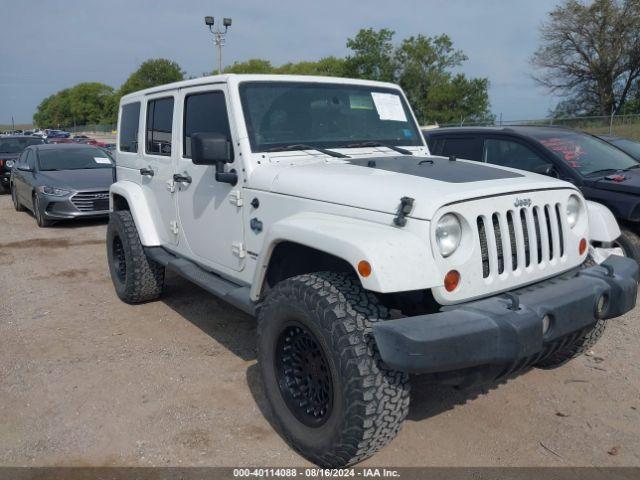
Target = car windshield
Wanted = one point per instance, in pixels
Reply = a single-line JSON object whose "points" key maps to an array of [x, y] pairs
{"points": [[282, 114], [587, 154], [17, 145], [629, 146], [73, 159]]}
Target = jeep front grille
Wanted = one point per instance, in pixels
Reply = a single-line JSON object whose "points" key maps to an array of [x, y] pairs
{"points": [[519, 238], [91, 201]]}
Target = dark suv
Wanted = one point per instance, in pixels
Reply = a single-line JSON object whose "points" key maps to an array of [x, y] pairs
{"points": [[10, 149], [603, 172]]}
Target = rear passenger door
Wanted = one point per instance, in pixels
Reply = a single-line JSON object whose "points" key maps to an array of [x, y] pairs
{"points": [[160, 156], [466, 147]]}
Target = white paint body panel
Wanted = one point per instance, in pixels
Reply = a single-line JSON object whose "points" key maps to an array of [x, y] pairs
{"points": [[318, 201], [603, 226]]}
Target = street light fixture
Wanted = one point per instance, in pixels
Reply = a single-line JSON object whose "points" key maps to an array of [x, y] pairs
{"points": [[219, 36]]}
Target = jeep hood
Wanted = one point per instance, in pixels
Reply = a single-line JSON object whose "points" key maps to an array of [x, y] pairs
{"points": [[379, 183]]}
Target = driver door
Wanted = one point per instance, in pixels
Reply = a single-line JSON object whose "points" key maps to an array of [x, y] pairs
{"points": [[209, 212]]}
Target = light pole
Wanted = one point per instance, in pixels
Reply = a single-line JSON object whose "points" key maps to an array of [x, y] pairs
{"points": [[219, 36]]}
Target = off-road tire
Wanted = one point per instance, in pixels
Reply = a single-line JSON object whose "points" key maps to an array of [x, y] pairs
{"points": [[16, 203], [136, 277], [629, 242], [582, 344], [370, 401], [39, 214]]}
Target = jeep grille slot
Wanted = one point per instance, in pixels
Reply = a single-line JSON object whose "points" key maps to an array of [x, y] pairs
{"points": [[91, 201], [520, 238]]}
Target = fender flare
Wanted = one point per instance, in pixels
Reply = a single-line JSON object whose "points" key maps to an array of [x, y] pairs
{"points": [[400, 260], [135, 197], [603, 226]]}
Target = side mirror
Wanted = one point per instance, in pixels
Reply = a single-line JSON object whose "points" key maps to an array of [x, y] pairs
{"points": [[210, 148], [24, 168], [548, 170]]}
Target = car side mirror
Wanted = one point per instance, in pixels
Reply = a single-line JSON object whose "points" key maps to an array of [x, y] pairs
{"points": [[548, 170], [24, 168], [212, 148], [209, 148]]}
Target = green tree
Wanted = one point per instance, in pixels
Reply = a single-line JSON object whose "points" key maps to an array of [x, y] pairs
{"points": [[253, 65], [329, 66], [85, 103], [373, 55], [590, 53], [151, 74]]}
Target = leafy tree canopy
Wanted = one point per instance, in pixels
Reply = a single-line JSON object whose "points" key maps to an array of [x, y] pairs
{"points": [[151, 74], [590, 53]]}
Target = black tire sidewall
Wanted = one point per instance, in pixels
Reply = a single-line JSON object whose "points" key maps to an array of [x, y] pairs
{"points": [[629, 241], [116, 229], [314, 438]]}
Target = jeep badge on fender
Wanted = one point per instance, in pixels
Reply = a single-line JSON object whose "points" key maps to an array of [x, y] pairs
{"points": [[356, 219]]}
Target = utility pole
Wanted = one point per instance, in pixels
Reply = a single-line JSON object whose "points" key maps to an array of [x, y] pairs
{"points": [[13, 124], [219, 36]]}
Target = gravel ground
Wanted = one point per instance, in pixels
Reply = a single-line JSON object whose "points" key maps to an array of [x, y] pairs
{"points": [[88, 380]]}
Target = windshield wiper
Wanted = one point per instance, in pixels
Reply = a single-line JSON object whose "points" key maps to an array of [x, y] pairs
{"points": [[401, 150], [595, 172], [301, 146]]}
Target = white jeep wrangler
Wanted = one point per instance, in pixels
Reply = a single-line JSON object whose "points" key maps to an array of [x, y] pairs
{"points": [[314, 204]]}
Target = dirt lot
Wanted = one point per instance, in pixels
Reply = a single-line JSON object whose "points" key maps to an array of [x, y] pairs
{"points": [[88, 380]]}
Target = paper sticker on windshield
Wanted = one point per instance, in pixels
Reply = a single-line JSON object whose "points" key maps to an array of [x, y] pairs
{"points": [[102, 160], [389, 106], [360, 102]]}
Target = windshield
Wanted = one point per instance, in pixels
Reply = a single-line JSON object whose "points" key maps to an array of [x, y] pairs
{"points": [[73, 159], [629, 146], [587, 154], [17, 145], [281, 114]]}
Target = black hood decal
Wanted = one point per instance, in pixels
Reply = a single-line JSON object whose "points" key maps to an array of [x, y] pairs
{"points": [[440, 169]]}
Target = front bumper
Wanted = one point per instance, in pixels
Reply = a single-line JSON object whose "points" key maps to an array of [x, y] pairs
{"points": [[494, 331], [63, 208]]}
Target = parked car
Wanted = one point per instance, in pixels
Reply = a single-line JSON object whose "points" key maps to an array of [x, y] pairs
{"points": [[314, 204], [60, 182], [10, 149], [626, 145], [58, 134], [604, 173]]}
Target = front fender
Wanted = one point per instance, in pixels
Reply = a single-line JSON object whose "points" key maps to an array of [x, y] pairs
{"points": [[133, 194], [603, 226], [400, 260]]}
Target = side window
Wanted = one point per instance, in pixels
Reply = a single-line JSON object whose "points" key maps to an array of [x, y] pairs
{"points": [[31, 159], [23, 158], [467, 148], [204, 112], [129, 124], [159, 126], [509, 153]]}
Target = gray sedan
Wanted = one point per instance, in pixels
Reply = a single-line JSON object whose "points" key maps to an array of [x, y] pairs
{"points": [[62, 181]]}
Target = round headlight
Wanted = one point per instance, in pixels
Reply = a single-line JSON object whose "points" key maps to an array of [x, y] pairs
{"points": [[9, 163], [573, 210], [448, 234]]}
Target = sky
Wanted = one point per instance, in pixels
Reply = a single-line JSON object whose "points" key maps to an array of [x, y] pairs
{"points": [[48, 45]]}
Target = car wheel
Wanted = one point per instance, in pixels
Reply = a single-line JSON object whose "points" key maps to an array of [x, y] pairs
{"points": [[39, 214], [16, 203], [135, 276], [585, 341], [333, 399], [629, 242]]}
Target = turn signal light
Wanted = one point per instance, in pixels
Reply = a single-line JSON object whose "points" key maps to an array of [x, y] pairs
{"points": [[451, 280], [364, 268], [582, 246]]}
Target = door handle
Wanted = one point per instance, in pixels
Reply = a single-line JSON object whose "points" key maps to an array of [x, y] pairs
{"points": [[146, 172], [181, 178]]}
